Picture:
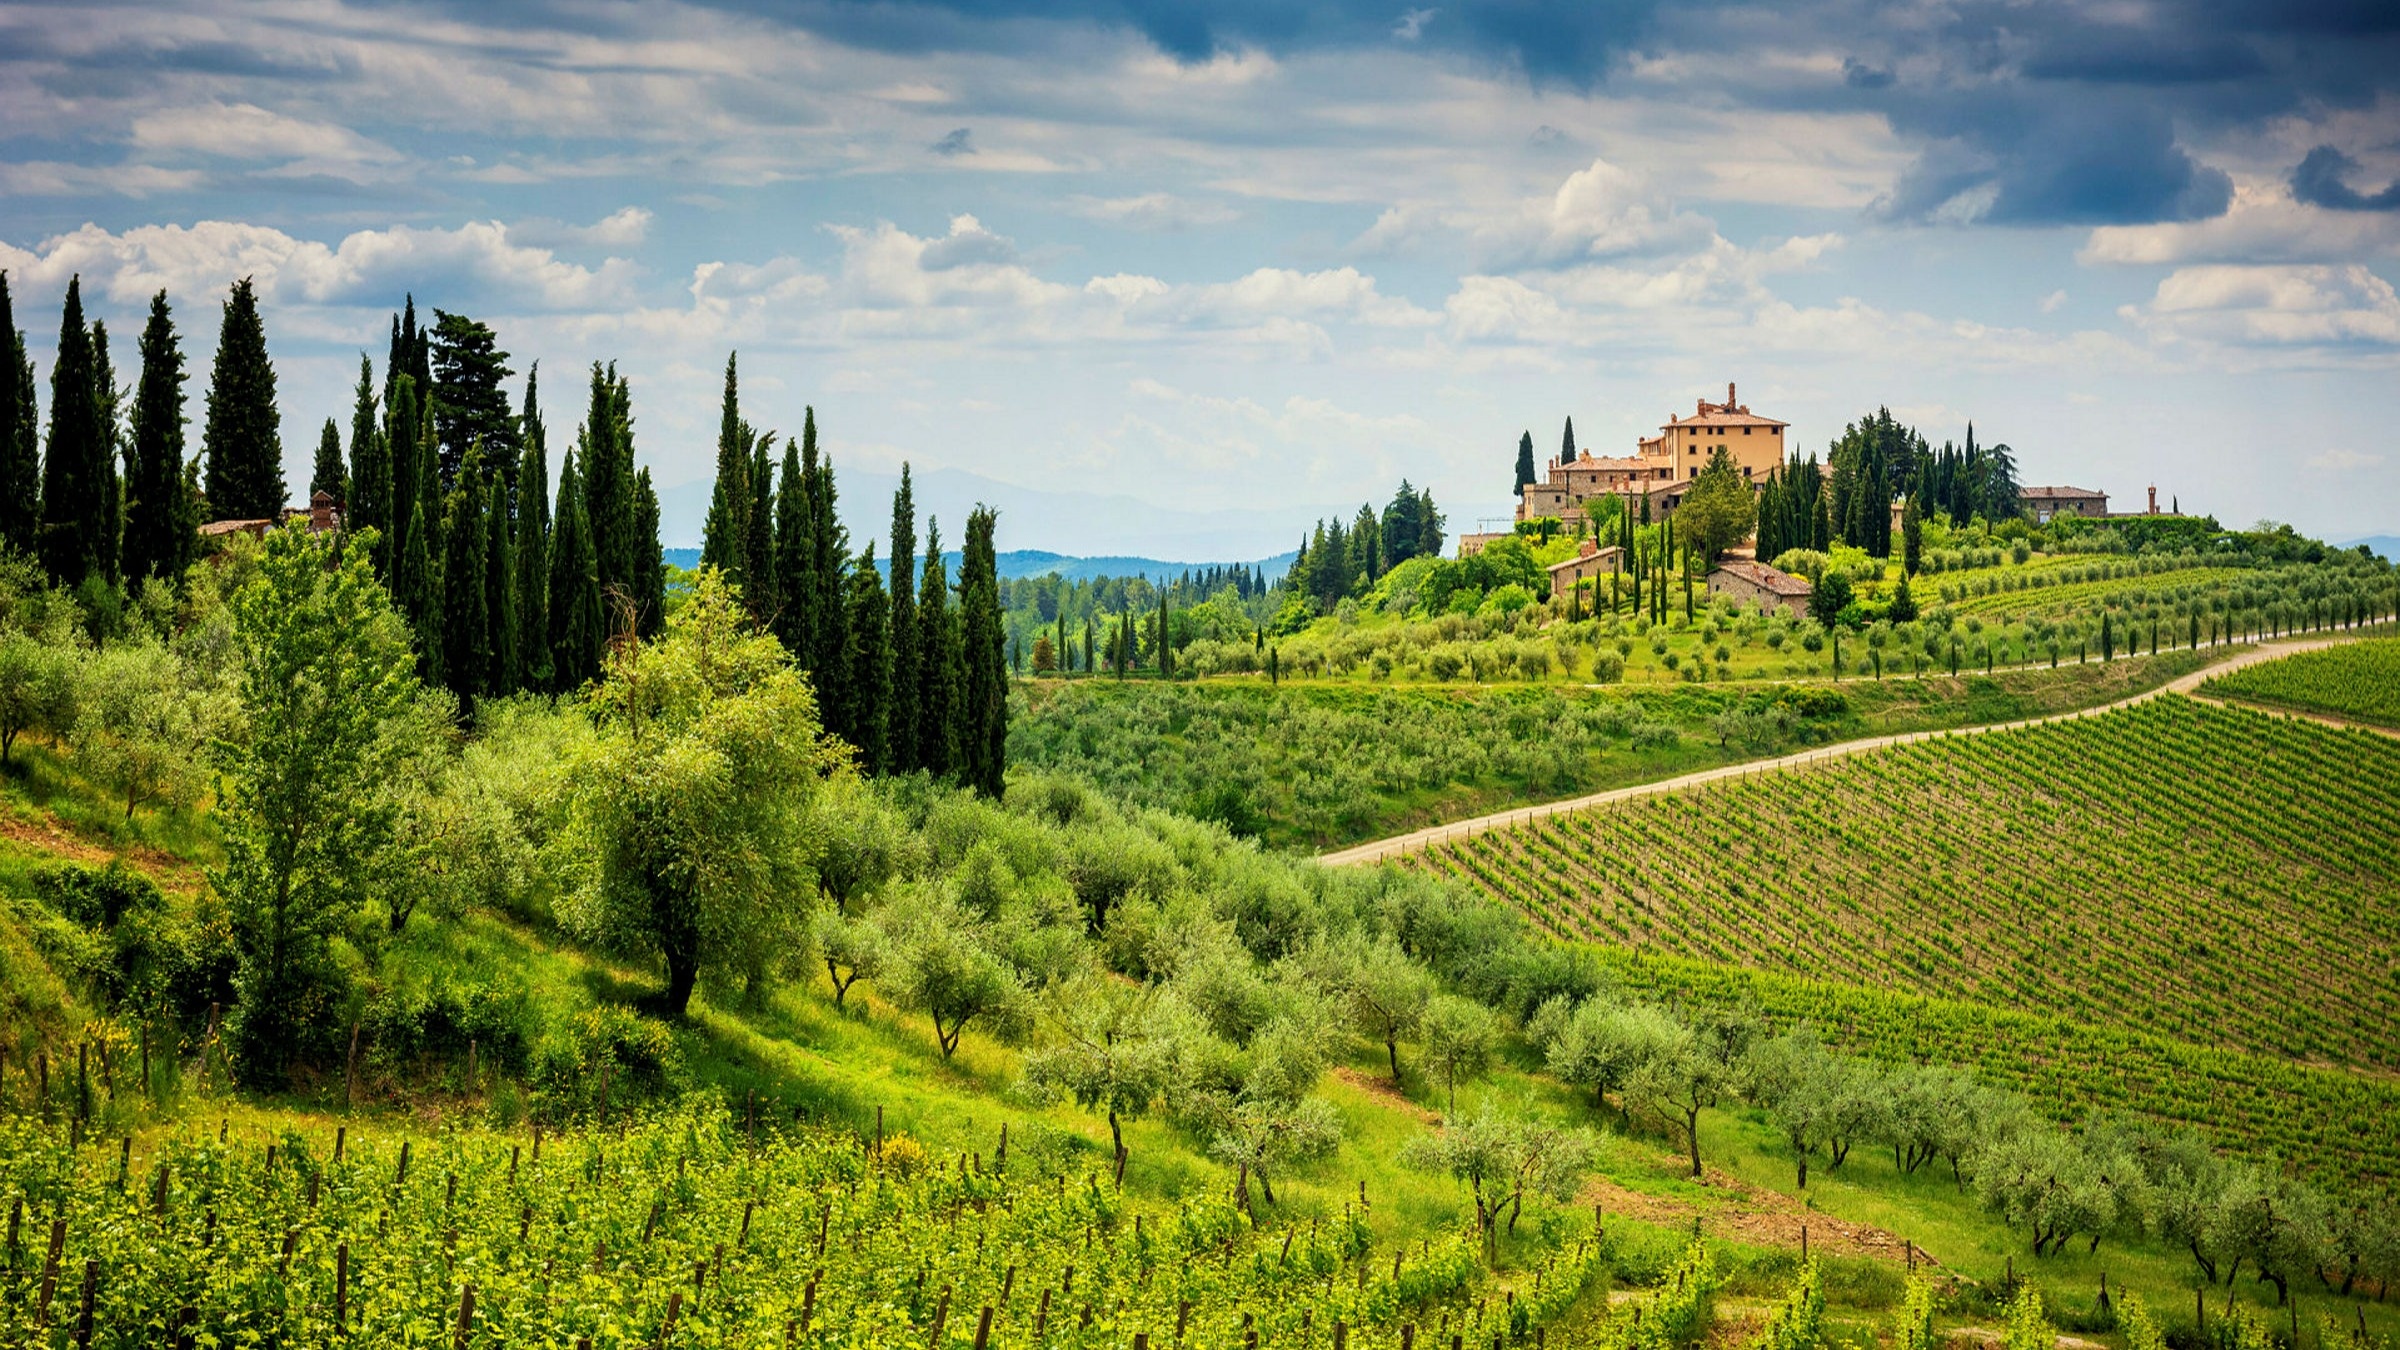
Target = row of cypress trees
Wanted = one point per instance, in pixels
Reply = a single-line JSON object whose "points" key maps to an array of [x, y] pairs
{"points": [[107, 496], [507, 591], [912, 676]]}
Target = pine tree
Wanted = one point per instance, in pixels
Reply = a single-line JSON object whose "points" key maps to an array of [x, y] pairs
{"points": [[937, 655], [725, 537], [650, 562], [328, 475], [369, 505], [795, 554], [75, 471], [470, 409], [1525, 477], [159, 531], [902, 732], [244, 446], [531, 546], [500, 592], [983, 730], [866, 667], [578, 629], [466, 609], [20, 447]]}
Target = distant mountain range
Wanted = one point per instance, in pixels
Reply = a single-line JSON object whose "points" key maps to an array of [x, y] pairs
{"points": [[1099, 527], [2386, 544], [1016, 564]]}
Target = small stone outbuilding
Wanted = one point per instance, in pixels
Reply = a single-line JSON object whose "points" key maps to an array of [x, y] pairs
{"points": [[1590, 563], [1758, 584]]}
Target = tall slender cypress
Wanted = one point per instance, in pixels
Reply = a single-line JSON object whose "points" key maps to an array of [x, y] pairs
{"points": [[983, 728], [758, 547], [245, 433], [466, 611], [937, 648], [369, 505], [866, 667], [725, 537], [20, 447], [795, 554], [109, 520], [328, 474], [419, 579], [578, 630], [902, 732], [531, 547], [608, 489], [159, 537], [649, 561], [75, 473], [500, 591], [400, 437], [832, 542]]}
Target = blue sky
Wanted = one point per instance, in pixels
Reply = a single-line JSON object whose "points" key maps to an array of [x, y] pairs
{"points": [[1210, 271]]}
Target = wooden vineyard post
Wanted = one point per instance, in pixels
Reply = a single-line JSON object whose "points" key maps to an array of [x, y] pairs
{"points": [[983, 1328], [58, 1243], [341, 1289], [91, 1288], [466, 1317], [666, 1330], [149, 1093], [1141, 1340], [1804, 1242]]}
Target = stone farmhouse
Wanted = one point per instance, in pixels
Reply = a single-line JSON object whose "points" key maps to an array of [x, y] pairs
{"points": [[1590, 563], [322, 513], [1662, 467], [1755, 583], [2044, 502]]}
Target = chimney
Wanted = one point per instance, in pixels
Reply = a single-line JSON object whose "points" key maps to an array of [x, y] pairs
{"points": [[320, 511], [2154, 499], [1589, 548], [1729, 396]]}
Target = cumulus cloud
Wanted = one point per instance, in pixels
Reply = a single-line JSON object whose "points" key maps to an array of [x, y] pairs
{"points": [[2286, 307], [626, 227], [1160, 212], [1600, 211], [2322, 180], [368, 266], [2264, 224]]}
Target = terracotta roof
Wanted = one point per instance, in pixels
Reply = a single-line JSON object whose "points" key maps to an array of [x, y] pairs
{"points": [[1596, 556], [1607, 464], [2055, 493], [1764, 577], [1715, 416], [217, 527]]}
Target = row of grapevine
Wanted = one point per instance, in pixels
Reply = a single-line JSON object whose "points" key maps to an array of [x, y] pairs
{"points": [[2357, 680], [686, 1230]]}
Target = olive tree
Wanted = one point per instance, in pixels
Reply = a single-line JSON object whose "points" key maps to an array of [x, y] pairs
{"points": [[325, 672], [1600, 1045], [145, 728], [695, 797], [1112, 1050], [1682, 1074], [1502, 1158], [952, 965], [1459, 1036], [1383, 992]]}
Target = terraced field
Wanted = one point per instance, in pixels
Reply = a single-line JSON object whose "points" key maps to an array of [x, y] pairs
{"points": [[2212, 874], [2359, 681]]}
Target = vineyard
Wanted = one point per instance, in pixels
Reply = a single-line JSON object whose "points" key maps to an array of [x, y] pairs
{"points": [[2133, 869], [689, 1230], [2359, 680]]}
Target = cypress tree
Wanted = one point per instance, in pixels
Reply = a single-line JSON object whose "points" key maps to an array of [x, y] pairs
{"points": [[937, 658], [795, 554], [466, 623], [901, 733], [327, 474], [606, 466], [725, 537], [20, 448], [410, 354], [1566, 449], [832, 542], [758, 550], [500, 592], [426, 462], [531, 547], [423, 585], [1524, 463], [244, 445], [75, 471], [369, 506], [400, 448], [649, 561], [983, 731], [110, 519], [159, 529], [578, 630], [866, 666]]}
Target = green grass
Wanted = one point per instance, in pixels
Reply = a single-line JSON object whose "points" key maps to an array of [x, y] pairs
{"points": [[2359, 681]]}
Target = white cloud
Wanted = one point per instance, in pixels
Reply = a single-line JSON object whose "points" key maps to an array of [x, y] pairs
{"points": [[2263, 225], [2052, 301], [2341, 459], [626, 227], [245, 131], [1600, 211], [50, 178], [2287, 306], [1155, 211]]}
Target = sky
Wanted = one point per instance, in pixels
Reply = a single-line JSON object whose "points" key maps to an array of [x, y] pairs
{"points": [[1188, 275]]}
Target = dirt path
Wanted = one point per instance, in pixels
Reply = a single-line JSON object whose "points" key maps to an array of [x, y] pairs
{"points": [[1736, 1209], [1416, 840]]}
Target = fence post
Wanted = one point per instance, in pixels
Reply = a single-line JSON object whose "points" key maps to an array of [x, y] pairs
{"points": [[58, 1242], [91, 1287], [341, 1288]]}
